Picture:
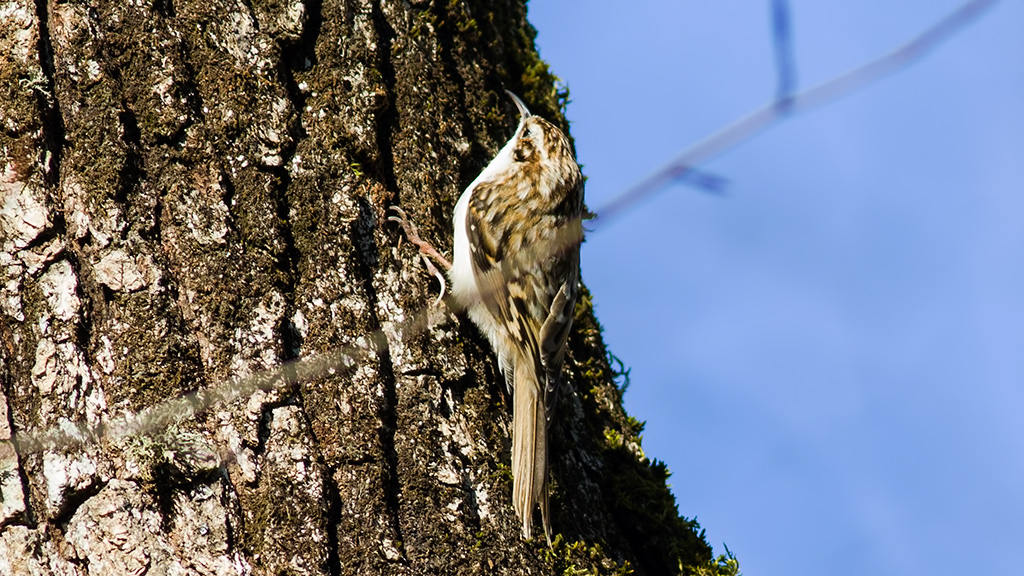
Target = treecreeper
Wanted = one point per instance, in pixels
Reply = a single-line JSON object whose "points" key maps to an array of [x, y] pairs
{"points": [[515, 270]]}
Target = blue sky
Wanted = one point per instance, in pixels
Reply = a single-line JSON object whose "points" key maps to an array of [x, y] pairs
{"points": [[830, 357]]}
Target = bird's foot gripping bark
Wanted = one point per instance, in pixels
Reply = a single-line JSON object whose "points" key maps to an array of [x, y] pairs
{"points": [[426, 250]]}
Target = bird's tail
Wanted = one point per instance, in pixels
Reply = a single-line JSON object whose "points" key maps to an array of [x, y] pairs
{"points": [[529, 449]]}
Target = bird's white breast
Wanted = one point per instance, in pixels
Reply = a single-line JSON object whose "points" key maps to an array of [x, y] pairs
{"points": [[463, 274]]}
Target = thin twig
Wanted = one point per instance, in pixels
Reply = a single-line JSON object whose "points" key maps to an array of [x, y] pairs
{"points": [[785, 63]]}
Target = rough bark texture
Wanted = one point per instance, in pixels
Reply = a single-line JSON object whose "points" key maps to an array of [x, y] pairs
{"points": [[197, 190]]}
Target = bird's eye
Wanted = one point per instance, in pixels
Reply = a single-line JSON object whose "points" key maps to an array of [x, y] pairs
{"points": [[526, 133]]}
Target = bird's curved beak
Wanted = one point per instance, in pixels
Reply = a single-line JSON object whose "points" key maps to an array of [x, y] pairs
{"points": [[524, 112]]}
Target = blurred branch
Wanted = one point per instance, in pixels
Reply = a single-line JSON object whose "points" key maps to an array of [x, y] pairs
{"points": [[749, 125], [785, 63]]}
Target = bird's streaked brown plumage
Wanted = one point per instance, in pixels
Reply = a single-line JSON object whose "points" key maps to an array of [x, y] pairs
{"points": [[526, 197]]}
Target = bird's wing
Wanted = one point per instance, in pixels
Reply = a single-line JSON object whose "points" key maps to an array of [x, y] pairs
{"points": [[555, 331], [489, 226]]}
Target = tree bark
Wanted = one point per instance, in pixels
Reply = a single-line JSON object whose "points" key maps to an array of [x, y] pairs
{"points": [[197, 191]]}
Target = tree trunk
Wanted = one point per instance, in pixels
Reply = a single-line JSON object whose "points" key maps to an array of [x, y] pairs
{"points": [[195, 192]]}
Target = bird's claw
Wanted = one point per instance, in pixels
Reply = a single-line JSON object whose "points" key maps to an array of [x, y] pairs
{"points": [[426, 250]]}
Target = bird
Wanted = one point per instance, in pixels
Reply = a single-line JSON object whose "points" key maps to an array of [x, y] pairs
{"points": [[515, 270]]}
